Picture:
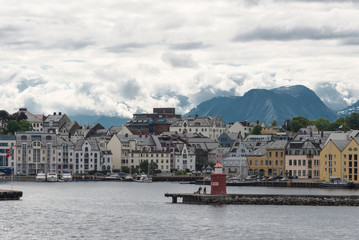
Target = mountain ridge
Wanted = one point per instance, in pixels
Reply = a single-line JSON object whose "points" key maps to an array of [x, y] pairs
{"points": [[266, 105]]}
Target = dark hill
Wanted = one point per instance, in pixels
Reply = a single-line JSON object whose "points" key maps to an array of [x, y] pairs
{"points": [[266, 105]]}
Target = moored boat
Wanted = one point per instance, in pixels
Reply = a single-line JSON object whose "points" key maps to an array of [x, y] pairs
{"points": [[128, 178], [51, 177], [67, 177], [337, 183], [112, 177], [41, 177], [143, 178]]}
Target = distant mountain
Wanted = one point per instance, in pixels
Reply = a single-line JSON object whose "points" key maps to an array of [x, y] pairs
{"points": [[105, 121], [349, 110], [266, 105]]}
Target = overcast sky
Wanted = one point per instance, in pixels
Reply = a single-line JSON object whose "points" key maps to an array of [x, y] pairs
{"points": [[117, 57]]}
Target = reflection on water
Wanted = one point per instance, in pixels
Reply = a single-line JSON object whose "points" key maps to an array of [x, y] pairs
{"points": [[116, 210]]}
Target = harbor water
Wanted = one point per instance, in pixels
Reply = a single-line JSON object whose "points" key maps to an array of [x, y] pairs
{"points": [[129, 210]]}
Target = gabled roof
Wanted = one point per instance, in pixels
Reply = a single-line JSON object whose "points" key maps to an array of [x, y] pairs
{"points": [[142, 140], [340, 144], [279, 144], [92, 142]]}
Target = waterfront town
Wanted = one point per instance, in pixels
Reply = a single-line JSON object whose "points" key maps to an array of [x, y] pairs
{"points": [[173, 143]]}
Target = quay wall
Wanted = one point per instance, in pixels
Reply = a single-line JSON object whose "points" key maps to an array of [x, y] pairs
{"points": [[264, 199], [176, 178], [10, 195]]}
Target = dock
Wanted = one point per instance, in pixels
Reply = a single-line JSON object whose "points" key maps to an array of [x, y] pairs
{"points": [[266, 199], [10, 195]]}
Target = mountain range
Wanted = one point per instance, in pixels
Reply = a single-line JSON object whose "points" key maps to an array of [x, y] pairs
{"points": [[257, 104]]}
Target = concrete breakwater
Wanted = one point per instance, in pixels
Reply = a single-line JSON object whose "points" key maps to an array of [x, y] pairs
{"points": [[10, 195], [266, 199]]}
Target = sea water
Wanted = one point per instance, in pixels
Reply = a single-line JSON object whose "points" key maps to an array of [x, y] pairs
{"points": [[130, 210]]}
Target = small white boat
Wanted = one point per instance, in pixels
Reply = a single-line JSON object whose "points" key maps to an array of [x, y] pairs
{"points": [[112, 177], [67, 177], [143, 178], [52, 177], [41, 177]]}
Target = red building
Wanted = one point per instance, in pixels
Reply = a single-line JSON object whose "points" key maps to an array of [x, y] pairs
{"points": [[153, 123]]}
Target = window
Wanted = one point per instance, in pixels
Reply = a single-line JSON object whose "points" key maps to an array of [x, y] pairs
{"points": [[290, 162]]}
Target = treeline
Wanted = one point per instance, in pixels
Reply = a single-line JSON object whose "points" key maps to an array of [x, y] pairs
{"points": [[343, 123], [11, 123]]}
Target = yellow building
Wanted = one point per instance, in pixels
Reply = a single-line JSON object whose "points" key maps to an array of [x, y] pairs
{"points": [[350, 157], [331, 160], [271, 130], [268, 161]]}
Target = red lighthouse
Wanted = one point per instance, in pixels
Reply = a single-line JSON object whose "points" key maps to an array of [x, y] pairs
{"points": [[218, 180]]}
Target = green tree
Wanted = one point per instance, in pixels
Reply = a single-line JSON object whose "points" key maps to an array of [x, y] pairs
{"points": [[11, 127], [274, 123], [153, 168], [353, 121], [144, 166], [298, 122], [180, 173], [339, 124], [148, 169], [4, 117], [25, 125], [257, 130], [125, 169], [322, 124]]}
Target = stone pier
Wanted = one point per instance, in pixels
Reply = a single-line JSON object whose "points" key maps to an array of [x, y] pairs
{"points": [[10, 195], [267, 199]]}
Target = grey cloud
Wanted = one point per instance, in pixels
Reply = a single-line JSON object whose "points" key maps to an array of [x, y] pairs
{"points": [[188, 46], [70, 44], [179, 60], [86, 88], [330, 96], [298, 33], [130, 89], [209, 93], [26, 83], [7, 30], [183, 100], [351, 41], [319, 1], [32, 105], [126, 47]]}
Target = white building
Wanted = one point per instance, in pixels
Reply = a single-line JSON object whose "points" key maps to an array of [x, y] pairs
{"points": [[90, 157], [210, 127], [184, 158], [35, 152]]}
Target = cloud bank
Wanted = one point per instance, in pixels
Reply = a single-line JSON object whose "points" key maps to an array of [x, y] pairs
{"points": [[117, 58]]}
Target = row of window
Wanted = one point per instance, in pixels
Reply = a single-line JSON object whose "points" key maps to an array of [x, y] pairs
{"points": [[300, 162], [276, 154], [267, 162]]}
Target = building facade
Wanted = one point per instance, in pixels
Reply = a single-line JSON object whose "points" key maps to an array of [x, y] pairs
{"points": [[302, 159], [210, 127], [36, 152], [7, 163]]}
